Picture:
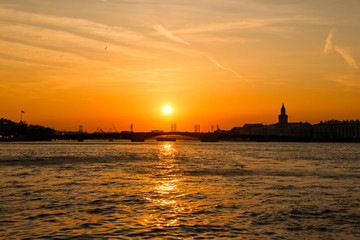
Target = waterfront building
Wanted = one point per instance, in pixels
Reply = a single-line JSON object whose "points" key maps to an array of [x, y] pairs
{"points": [[255, 129], [280, 130], [332, 130], [337, 130]]}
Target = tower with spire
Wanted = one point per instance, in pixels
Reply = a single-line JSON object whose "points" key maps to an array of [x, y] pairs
{"points": [[283, 118]]}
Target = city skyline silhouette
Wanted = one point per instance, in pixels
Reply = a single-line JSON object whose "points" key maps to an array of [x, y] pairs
{"points": [[283, 130]]}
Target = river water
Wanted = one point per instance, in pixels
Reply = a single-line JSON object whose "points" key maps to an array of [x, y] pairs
{"points": [[179, 190]]}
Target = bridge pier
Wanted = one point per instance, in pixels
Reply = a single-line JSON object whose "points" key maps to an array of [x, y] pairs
{"points": [[138, 137]]}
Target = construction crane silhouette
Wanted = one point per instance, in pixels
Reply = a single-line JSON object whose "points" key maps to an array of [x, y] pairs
{"points": [[115, 129]]}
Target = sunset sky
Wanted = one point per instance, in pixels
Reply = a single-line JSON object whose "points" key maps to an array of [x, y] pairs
{"points": [[101, 63]]}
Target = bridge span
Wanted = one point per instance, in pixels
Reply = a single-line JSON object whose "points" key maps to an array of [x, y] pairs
{"points": [[142, 136]]}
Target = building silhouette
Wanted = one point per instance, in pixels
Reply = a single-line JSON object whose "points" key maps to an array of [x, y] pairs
{"points": [[334, 129]]}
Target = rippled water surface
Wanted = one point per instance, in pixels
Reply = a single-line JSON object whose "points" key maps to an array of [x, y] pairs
{"points": [[179, 190]]}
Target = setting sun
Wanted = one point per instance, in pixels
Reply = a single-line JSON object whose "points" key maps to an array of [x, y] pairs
{"points": [[167, 109]]}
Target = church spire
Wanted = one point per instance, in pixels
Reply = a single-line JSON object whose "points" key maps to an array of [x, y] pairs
{"points": [[283, 111], [283, 118]]}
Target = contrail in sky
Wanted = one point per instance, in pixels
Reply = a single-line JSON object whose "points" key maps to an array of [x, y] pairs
{"points": [[329, 46], [328, 42], [222, 67], [227, 69], [347, 56], [169, 35]]}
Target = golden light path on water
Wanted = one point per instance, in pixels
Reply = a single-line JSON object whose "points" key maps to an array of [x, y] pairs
{"points": [[166, 187]]}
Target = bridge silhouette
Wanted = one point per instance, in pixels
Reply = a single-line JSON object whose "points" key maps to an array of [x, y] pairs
{"points": [[142, 136], [201, 136]]}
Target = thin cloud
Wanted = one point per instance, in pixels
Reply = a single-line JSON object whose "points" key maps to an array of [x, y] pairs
{"points": [[58, 41], [329, 42], [78, 26], [107, 2], [216, 27], [347, 56], [163, 31], [348, 81], [69, 35], [247, 24]]}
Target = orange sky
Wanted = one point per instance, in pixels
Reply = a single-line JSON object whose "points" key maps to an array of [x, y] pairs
{"points": [[104, 62]]}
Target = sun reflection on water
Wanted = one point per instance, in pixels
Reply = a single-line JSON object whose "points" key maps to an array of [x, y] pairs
{"points": [[167, 186], [167, 195]]}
